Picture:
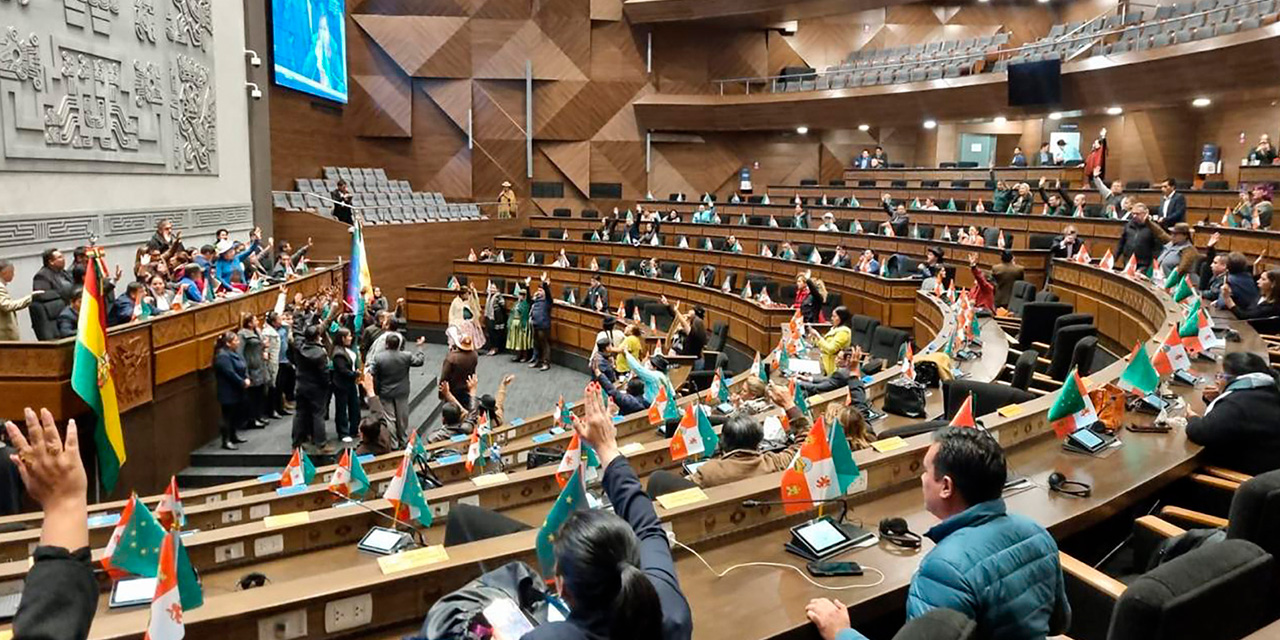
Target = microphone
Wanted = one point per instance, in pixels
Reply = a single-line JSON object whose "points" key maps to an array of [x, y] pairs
{"points": [[843, 501], [414, 531]]}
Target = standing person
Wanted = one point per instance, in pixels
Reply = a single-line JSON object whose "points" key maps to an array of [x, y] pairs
{"points": [[163, 238], [495, 319], [1138, 238], [1112, 197], [519, 335], [232, 379], [391, 380], [999, 569], [1096, 162], [464, 315], [282, 324], [616, 570], [342, 203], [311, 364], [346, 395], [56, 289], [1044, 157], [459, 365], [809, 297], [879, 159], [540, 320], [253, 351], [1005, 275], [1173, 206], [9, 306], [507, 203], [271, 350], [1019, 158]]}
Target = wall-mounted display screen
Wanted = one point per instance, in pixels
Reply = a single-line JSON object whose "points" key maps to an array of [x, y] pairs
{"points": [[309, 46]]}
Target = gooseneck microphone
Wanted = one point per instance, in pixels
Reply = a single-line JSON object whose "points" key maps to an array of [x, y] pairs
{"points": [[842, 501], [415, 531]]}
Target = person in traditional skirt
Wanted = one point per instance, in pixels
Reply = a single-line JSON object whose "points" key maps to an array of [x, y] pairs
{"points": [[464, 313], [519, 333]]}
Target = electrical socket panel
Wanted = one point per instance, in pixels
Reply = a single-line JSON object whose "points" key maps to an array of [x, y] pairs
{"points": [[348, 613], [268, 545], [284, 626], [233, 551], [231, 516]]}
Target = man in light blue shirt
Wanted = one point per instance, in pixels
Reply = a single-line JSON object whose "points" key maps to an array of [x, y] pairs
{"points": [[1068, 154]]}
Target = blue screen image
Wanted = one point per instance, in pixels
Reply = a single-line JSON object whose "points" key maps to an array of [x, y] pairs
{"points": [[309, 46]]}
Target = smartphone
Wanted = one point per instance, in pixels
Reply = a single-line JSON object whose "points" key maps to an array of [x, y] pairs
{"points": [[830, 569]]}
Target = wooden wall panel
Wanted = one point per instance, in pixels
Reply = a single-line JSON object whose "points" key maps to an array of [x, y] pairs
{"points": [[1225, 124]]}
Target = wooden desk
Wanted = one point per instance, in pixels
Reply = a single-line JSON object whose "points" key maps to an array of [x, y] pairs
{"points": [[888, 300], [972, 174], [1254, 175], [1035, 261]]}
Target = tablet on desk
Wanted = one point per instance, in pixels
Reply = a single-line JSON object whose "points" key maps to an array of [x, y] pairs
{"points": [[131, 592], [383, 541], [822, 538]]}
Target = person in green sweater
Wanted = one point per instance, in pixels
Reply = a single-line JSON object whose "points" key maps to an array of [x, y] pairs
{"points": [[1055, 202]]}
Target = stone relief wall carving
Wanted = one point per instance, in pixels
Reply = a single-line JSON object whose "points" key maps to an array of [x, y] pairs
{"points": [[77, 95], [21, 236]]}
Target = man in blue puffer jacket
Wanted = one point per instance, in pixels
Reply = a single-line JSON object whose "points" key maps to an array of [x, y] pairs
{"points": [[540, 320], [998, 569]]}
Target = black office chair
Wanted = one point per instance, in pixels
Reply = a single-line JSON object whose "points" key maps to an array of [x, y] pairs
{"points": [[757, 221], [787, 292], [773, 247], [808, 182], [960, 184], [586, 235], [674, 196], [1037, 322], [835, 183], [897, 184], [461, 280], [925, 231], [718, 243], [991, 237], [1024, 293], [667, 269], [1062, 353], [1136, 184], [700, 379], [1218, 590], [987, 396], [862, 329], [755, 199], [561, 212], [946, 165], [803, 251], [833, 300], [1046, 296], [573, 259], [1041, 241], [967, 164], [1215, 185], [914, 429], [590, 214], [1059, 323], [556, 234], [1085, 355], [605, 264], [661, 314], [577, 295], [928, 184], [719, 337], [886, 347], [732, 278], [1024, 368], [530, 232], [537, 257], [866, 183]]}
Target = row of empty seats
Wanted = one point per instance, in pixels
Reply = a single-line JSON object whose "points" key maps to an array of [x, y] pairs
{"points": [[1138, 30], [381, 200]]}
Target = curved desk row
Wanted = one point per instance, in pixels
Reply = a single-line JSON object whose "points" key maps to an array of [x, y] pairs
{"points": [[1035, 261]]}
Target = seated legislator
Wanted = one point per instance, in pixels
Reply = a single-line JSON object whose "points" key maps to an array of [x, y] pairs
{"points": [[1068, 244], [740, 439], [868, 262], [899, 222], [1240, 429], [835, 341], [999, 569], [615, 571], [848, 374], [828, 222], [1264, 315], [856, 429], [629, 401]]}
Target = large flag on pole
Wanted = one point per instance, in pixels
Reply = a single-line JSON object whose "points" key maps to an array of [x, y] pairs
{"points": [[91, 374], [359, 282]]}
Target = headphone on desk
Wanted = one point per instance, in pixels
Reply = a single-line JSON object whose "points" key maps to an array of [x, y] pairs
{"points": [[896, 531], [252, 580], [1059, 482]]}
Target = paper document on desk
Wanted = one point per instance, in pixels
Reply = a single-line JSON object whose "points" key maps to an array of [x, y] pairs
{"points": [[810, 367]]}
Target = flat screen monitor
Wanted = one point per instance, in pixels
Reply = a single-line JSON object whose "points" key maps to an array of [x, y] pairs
{"points": [[1034, 84], [309, 46]]}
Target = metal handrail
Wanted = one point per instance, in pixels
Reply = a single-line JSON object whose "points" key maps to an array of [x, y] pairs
{"points": [[309, 194], [1007, 52]]}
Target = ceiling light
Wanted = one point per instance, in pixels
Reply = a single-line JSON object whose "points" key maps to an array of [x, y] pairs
{"points": [[864, 127], [1114, 111], [1201, 102], [1055, 116], [1000, 120], [930, 124], [802, 129], [1043, 1]]}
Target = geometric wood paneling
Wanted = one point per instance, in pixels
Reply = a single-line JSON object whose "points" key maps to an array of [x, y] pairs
{"points": [[383, 105], [453, 97], [573, 159], [423, 45]]}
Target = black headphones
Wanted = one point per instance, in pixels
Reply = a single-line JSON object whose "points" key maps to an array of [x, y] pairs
{"points": [[896, 531], [252, 580], [1059, 482]]}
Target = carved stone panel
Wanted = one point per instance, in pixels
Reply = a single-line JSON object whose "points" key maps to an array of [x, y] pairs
{"points": [[82, 92]]}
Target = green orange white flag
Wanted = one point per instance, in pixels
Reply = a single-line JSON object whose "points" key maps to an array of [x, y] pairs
{"points": [[1140, 375], [1072, 408]]}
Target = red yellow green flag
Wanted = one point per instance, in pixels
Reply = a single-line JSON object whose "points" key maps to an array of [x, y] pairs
{"points": [[91, 374]]}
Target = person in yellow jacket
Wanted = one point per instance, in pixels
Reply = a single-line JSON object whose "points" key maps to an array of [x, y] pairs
{"points": [[507, 201], [836, 339]]}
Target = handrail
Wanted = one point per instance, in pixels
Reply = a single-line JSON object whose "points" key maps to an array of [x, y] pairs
{"points": [[999, 52], [310, 194]]}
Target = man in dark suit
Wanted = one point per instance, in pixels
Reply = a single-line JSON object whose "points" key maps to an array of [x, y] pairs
{"points": [[123, 308], [68, 321], [1173, 206], [391, 381], [342, 210], [1068, 244], [848, 374], [57, 286], [597, 295], [311, 366]]}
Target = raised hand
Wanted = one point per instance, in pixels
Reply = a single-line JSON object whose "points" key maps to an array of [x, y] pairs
{"points": [[596, 428], [1213, 239], [51, 469]]}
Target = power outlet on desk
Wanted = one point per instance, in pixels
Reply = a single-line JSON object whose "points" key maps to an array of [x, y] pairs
{"points": [[348, 613], [285, 626]]}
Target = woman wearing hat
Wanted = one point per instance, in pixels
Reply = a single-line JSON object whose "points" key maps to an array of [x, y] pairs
{"points": [[506, 201], [519, 334], [464, 314]]}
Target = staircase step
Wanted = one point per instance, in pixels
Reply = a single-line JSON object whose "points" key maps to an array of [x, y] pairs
{"points": [[193, 477]]}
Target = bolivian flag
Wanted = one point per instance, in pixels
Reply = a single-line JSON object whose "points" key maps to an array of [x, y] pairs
{"points": [[359, 282], [91, 374]]}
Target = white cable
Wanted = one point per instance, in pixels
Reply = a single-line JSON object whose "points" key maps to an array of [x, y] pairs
{"points": [[721, 574]]}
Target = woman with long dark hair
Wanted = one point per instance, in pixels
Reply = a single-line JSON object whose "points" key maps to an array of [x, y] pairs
{"points": [[253, 351], [346, 397], [1264, 314], [615, 571], [232, 379]]}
